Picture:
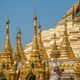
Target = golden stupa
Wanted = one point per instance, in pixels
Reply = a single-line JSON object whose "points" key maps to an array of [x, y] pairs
{"points": [[52, 55], [15, 66]]}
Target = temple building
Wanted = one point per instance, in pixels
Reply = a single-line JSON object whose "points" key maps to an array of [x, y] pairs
{"points": [[67, 32], [53, 54], [15, 66]]}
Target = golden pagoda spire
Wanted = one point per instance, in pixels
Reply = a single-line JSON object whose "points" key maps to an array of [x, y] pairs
{"points": [[35, 43], [19, 53], [19, 40], [35, 64], [42, 50], [7, 45], [35, 55], [66, 50], [17, 56], [7, 58], [55, 53]]}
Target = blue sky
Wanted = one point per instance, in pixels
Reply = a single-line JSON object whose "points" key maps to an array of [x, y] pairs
{"points": [[21, 13]]}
